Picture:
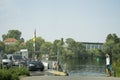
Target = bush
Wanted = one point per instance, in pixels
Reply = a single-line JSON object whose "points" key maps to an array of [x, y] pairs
{"points": [[13, 73], [19, 71], [5, 75], [15, 77], [116, 69]]}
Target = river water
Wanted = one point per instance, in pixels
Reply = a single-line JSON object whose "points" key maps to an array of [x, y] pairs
{"points": [[86, 67]]}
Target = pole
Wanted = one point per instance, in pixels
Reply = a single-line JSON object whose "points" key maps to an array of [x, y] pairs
{"points": [[1, 63], [34, 47], [57, 59], [34, 43]]}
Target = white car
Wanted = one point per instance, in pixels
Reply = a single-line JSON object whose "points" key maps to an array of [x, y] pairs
{"points": [[16, 59], [46, 65], [6, 62]]}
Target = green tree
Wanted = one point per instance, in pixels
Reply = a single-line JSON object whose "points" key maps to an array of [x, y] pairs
{"points": [[116, 52], [38, 43], [71, 45], [80, 48], [56, 45], [22, 45], [46, 47], [11, 48], [12, 34], [76, 47], [2, 46], [111, 46], [29, 45]]}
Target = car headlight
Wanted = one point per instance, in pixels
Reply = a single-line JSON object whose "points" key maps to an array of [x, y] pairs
{"points": [[31, 65]]}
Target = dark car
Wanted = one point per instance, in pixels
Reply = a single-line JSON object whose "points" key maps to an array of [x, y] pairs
{"points": [[35, 65]]}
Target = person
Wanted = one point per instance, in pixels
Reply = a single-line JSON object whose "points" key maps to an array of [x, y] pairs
{"points": [[55, 66], [108, 70], [35, 58]]}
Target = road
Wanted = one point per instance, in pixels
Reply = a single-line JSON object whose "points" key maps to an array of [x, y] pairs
{"points": [[38, 75], [68, 78]]}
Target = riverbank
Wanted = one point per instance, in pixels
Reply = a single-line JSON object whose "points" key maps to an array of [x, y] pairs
{"points": [[68, 78]]}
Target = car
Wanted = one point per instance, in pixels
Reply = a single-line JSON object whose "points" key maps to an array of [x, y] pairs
{"points": [[35, 65], [46, 65], [16, 59], [6, 62]]}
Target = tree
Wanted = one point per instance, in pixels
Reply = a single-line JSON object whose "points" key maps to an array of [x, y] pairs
{"points": [[56, 45], [11, 48], [116, 52], [80, 47], [76, 47], [46, 47], [2, 46], [112, 37], [71, 44], [38, 43], [112, 47], [12, 34], [29, 45]]}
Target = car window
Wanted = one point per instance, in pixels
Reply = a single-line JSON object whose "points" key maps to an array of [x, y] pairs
{"points": [[10, 58], [5, 57], [19, 57]]}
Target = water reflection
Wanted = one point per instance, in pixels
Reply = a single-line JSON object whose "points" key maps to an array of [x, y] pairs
{"points": [[86, 67]]}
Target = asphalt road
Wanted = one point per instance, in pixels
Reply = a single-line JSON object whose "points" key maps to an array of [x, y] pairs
{"points": [[45, 75], [37, 73], [68, 78], [40, 73]]}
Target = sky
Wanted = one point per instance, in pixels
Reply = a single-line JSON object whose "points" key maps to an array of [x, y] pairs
{"points": [[82, 20]]}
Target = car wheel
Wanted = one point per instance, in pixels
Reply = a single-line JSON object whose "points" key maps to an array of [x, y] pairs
{"points": [[41, 69]]}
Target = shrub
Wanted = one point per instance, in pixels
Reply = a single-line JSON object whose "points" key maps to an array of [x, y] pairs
{"points": [[116, 69], [15, 77], [19, 71], [23, 71], [13, 73], [5, 75]]}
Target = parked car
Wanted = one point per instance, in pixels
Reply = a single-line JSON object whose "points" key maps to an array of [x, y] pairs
{"points": [[6, 62], [35, 65], [46, 65], [16, 59]]}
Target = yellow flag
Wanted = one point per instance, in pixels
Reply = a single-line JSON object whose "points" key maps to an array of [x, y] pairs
{"points": [[34, 37]]}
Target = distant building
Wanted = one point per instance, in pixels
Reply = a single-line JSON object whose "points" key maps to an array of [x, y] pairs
{"points": [[92, 45], [10, 41]]}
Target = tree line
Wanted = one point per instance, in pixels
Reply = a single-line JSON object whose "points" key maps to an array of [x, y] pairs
{"points": [[68, 47], [65, 48]]}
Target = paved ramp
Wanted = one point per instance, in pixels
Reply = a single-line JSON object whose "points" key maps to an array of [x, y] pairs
{"points": [[68, 78]]}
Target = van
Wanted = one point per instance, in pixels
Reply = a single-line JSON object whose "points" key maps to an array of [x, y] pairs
{"points": [[16, 59], [6, 62]]}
